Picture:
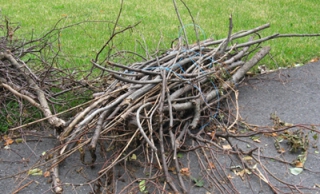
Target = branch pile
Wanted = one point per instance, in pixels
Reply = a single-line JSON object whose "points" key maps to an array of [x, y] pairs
{"points": [[154, 106], [160, 101], [28, 70]]}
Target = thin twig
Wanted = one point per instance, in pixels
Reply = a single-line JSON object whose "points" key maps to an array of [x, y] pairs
{"points": [[226, 42], [181, 23], [141, 129]]}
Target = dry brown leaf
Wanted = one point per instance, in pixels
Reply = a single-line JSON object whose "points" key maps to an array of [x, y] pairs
{"points": [[46, 174], [314, 60], [227, 147], [185, 171], [211, 165], [241, 173], [257, 140], [173, 170], [247, 158], [212, 134], [281, 150], [8, 140], [299, 164], [229, 176]]}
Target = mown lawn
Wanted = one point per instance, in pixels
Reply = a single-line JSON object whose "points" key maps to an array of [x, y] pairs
{"points": [[159, 24]]}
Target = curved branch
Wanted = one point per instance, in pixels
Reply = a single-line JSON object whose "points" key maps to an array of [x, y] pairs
{"points": [[141, 129]]}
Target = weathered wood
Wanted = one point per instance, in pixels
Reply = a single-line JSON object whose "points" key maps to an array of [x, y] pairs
{"points": [[158, 102]]}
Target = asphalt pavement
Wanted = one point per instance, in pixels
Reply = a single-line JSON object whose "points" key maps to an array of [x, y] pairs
{"points": [[292, 94]]}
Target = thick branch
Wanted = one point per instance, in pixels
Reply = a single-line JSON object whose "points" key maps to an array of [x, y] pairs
{"points": [[55, 121]]}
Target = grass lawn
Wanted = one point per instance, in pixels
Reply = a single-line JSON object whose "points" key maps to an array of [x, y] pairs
{"points": [[159, 24]]}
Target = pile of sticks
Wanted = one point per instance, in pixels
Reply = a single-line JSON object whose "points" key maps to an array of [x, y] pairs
{"points": [[164, 98], [153, 105]]}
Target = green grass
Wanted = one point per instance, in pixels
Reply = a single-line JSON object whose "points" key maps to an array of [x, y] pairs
{"points": [[13, 114], [160, 24]]}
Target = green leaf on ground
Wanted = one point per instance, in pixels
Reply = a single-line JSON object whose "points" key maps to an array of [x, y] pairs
{"points": [[198, 182], [296, 171], [142, 186], [315, 136], [133, 157], [35, 172]]}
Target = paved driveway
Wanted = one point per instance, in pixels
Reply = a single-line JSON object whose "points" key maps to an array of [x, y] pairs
{"points": [[294, 95]]}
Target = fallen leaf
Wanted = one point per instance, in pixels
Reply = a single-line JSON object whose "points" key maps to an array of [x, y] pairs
{"points": [[281, 150], [254, 166], [212, 135], [314, 60], [185, 171], [173, 170], [256, 139], [241, 173], [299, 164], [133, 157], [35, 172], [247, 158], [247, 171], [315, 136], [211, 165], [303, 157], [199, 183], [288, 124], [19, 140], [46, 174], [227, 147], [296, 171], [8, 140], [142, 185]]}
